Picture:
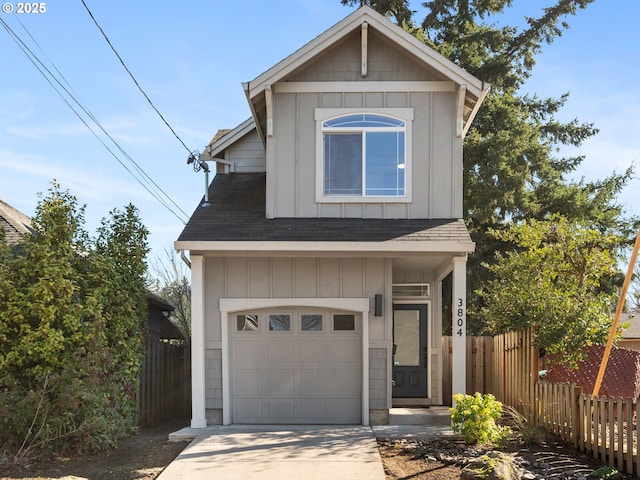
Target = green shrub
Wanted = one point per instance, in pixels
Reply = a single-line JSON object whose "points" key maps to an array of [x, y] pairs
{"points": [[72, 315], [475, 417], [608, 473]]}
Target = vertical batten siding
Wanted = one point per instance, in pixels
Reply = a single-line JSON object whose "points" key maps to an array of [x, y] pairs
{"points": [[436, 183], [283, 182], [286, 277], [247, 154]]}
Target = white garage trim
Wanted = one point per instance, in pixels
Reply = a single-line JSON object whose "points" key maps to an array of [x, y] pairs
{"points": [[229, 305]]}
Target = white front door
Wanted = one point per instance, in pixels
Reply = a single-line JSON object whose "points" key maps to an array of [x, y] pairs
{"points": [[296, 367]]}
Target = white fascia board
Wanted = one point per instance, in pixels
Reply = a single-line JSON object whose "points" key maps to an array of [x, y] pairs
{"points": [[382, 25], [389, 247], [230, 138], [365, 87]]}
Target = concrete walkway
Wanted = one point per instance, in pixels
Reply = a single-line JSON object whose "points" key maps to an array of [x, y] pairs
{"points": [[298, 452], [280, 453]]}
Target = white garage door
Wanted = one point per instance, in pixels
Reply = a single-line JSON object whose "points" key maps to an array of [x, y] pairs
{"points": [[296, 367]]}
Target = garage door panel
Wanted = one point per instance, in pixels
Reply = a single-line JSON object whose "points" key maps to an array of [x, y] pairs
{"points": [[280, 410], [344, 411], [295, 377], [280, 382], [342, 350], [248, 410], [311, 351], [313, 410], [279, 351], [313, 382], [248, 382], [247, 352], [343, 380]]}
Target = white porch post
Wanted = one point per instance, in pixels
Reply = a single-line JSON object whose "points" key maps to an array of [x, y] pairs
{"points": [[459, 325], [198, 408]]}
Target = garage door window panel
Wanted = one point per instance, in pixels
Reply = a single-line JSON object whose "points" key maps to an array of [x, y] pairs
{"points": [[344, 323], [247, 323], [279, 323], [311, 322]]}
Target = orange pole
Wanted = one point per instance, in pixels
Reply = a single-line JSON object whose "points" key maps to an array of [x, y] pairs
{"points": [[616, 319]]}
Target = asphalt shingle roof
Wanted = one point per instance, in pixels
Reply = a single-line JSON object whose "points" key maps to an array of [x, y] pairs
{"points": [[14, 223], [237, 213]]}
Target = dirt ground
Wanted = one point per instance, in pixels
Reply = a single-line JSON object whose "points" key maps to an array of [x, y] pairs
{"points": [[553, 458], [405, 463], [141, 457]]}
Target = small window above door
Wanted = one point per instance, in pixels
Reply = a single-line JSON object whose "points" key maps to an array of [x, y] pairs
{"points": [[411, 290]]}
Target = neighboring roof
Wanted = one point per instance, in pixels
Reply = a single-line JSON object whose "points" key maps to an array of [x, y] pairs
{"points": [[158, 324], [15, 223], [633, 319], [237, 214], [255, 89], [621, 378], [227, 137]]}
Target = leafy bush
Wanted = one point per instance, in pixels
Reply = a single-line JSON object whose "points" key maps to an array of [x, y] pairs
{"points": [[608, 473], [72, 315], [475, 417]]}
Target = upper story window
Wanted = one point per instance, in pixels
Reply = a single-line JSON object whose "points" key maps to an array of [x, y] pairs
{"points": [[364, 155]]}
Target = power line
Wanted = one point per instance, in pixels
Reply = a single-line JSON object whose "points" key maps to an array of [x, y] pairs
{"points": [[133, 78], [33, 58]]}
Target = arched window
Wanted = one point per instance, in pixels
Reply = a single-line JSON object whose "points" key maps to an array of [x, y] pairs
{"points": [[364, 155]]}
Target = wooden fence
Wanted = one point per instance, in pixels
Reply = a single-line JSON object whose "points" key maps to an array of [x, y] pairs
{"points": [[165, 382], [515, 370], [603, 427], [479, 363]]}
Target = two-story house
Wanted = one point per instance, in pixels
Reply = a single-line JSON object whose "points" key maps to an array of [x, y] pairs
{"points": [[334, 215]]}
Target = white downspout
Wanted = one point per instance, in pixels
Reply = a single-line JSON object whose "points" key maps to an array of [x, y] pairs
{"points": [[185, 259]]}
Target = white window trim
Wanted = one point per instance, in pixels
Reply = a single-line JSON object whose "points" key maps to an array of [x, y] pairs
{"points": [[324, 114]]}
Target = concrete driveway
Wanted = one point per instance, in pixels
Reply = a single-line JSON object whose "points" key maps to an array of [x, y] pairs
{"points": [[291, 452]]}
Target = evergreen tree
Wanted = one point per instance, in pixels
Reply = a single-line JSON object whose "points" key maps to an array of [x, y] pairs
{"points": [[72, 313]]}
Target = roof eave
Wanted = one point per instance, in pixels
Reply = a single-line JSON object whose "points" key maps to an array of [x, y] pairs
{"points": [[297, 247]]}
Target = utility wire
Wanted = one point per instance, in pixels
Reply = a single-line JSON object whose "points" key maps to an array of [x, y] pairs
{"points": [[45, 55], [33, 58], [132, 77]]}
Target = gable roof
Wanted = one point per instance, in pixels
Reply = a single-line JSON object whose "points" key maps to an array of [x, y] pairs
{"points": [[15, 223], [237, 214], [223, 139], [255, 89]]}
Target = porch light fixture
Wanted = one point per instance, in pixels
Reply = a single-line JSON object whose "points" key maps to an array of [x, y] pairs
{"points": [[377, 305]]}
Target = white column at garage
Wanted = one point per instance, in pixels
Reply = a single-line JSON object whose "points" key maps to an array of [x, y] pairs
{"points": [[459, 325], [198, 408]]}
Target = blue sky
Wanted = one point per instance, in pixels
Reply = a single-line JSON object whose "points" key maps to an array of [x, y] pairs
{"points": [[191, 57]]}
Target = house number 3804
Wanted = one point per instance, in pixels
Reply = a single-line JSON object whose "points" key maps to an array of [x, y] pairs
{"points": [[460, 317]]}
